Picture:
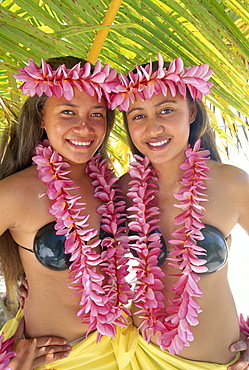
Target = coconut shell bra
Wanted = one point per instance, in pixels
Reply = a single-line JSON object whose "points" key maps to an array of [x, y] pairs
{"points": [[49, 248], [70, 244]]}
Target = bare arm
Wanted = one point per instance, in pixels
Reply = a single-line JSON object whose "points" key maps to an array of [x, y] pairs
{"points": [[8, 203], [243, 199]]}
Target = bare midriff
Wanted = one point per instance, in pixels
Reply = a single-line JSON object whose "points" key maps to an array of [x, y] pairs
{"points": [[50, 308], [218, 325]]}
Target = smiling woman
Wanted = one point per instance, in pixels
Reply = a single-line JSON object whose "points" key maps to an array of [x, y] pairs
{"points": [[72, 127], [50, 219], [62, 222], [154, 123], [179, 192]]}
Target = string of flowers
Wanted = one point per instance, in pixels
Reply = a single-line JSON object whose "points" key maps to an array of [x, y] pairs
{"points": [[144, 82], [185, 309], [6, 352], [244, 325], [60, 82], [100, 305], [174, 329], [147, 245], [118, 89], [115, 246]]}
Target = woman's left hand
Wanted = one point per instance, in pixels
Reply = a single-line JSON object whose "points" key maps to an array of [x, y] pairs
{"points": [[243, 362], [31, 353]]}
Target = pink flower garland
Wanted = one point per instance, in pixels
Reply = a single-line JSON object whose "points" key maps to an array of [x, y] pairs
{"points": [[118, 90], [244, 325], [175, 330], [147, 295], [144, 83], [184, 310], [6, 352], [115, 263], [101, 306], [60, 82]]}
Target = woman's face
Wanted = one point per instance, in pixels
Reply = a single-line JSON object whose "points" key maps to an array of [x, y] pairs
{"points": [[159, 128], [75, 128]]}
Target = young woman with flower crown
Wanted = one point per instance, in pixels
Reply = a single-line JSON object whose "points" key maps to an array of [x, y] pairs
{"points": [[62, 223], [51, 214], [183, 204]]}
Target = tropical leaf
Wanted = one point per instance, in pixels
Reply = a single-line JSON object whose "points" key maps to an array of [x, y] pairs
{"points": [[211, 31]]}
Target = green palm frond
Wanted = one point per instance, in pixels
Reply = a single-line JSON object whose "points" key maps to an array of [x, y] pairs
{"points": [[211, 31]]}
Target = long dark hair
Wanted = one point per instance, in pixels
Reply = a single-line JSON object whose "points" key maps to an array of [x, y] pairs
{"points": [[25, 134], [199, 129]]}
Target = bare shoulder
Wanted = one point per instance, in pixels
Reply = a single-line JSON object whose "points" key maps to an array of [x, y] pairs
{"points": [[229, 175], [233, 189], [20, 183], [17, 192]]}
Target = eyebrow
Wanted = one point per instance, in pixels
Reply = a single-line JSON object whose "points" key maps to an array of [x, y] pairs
{"points": [[165, 101], [156, 105], [76, 106]]}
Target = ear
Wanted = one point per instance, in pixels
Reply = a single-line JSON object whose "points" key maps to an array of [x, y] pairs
{"points": [[193, 112]]}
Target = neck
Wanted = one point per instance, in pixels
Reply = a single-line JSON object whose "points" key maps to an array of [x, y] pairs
{"points": [[78, 172], [169, 174]]}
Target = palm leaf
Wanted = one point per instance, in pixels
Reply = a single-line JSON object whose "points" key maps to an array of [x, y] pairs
{"points": [[211, 31]]}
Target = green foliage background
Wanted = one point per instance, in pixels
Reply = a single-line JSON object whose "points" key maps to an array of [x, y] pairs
{"points": [[207, 31]]}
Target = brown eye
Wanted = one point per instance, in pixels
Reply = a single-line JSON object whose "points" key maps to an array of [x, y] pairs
{"points": [[67, 111], [97, 114], [166, 111], [139, 116]]}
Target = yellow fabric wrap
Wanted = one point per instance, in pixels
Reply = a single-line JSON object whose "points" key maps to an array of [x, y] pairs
{"points": [[134, 353], [129, 351], [84, 355]]}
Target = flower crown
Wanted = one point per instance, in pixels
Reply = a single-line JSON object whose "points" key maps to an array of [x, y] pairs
{"points": [[145, 82], [119, 90], [60, 82]]}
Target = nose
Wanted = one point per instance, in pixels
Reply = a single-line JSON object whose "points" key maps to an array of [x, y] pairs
{"points": [[83, 124], [154, 126]]}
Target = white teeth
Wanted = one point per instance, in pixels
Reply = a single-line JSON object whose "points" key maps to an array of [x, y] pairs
{"points": [[159, 143], [85, 143]]}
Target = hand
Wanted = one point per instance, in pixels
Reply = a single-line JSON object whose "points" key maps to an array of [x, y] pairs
{"points": [[31, 353], [243, 362], [22, 291]]}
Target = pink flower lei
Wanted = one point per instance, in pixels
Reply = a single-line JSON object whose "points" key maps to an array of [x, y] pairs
{"points": [[145, 82], [118, 90], [183, 310], [244, 325], [6, 352], [101, 306], [60, 82]]}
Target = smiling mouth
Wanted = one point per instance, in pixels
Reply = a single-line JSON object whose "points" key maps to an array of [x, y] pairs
{"points": [[159, 143], [80, 143]]}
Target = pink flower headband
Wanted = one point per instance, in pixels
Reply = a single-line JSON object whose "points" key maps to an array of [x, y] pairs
{"points": [[119, 90], [145, 82], [60, 82]]}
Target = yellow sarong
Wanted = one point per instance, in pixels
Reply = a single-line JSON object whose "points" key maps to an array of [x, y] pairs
{"points": [[129, 351], [134, 353], [84, 355]]}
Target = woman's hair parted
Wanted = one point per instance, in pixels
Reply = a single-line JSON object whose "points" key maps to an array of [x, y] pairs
{"points": [[199, 129]]}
